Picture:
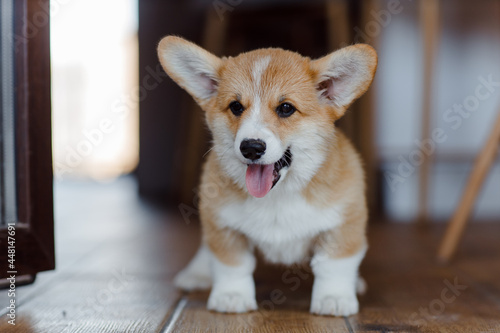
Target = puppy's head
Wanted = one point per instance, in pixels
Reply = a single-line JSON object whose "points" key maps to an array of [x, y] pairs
{"points": [[271, 111]]}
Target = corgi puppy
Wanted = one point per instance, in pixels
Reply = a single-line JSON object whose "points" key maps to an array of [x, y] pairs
{"points": [[280, 179]]}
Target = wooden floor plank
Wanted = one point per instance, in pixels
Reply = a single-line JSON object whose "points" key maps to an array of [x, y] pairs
{"points": [[128, 254], [117, 258], [283, 298], [410, 292], [195, 318]]}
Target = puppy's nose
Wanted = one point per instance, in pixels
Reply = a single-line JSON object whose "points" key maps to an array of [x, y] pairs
{"points": [[252, 149]]}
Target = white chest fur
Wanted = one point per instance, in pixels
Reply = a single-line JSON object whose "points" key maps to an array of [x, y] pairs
{"points": [[281, 225]]}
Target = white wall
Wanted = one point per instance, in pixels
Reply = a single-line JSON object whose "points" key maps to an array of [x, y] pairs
{"points": [[469, 48]]}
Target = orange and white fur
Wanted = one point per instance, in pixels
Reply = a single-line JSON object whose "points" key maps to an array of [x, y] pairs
{"points": [[280, 178]]}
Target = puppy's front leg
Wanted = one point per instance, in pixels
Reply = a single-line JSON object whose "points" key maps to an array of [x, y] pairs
{"points": [[334, 288], [233, 263], [335, 266]]}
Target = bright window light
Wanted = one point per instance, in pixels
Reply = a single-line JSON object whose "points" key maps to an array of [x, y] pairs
{"points": [[94, 53]]}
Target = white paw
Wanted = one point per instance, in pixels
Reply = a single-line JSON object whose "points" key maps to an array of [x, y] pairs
{"points": [[189, 281], [361, 286], [232, 302], [335, 305]]}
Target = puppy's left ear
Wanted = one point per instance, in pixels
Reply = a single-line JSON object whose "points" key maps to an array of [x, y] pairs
{"points": [[344, 75]]}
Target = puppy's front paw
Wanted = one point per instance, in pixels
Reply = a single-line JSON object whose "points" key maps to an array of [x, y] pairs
{"points": [[335, 305], [231, 302], [190, 280], [361, 286]]}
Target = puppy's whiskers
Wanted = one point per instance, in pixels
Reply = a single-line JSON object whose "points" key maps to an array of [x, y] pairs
{"points": [[302, 150], [208, 151], [221, 156], [288, 160]]}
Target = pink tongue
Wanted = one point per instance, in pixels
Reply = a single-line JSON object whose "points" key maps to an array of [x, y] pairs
{"points": [[259, 179]]}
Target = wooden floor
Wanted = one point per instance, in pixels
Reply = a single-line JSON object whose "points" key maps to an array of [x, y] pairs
{"points": [[117, 256]]}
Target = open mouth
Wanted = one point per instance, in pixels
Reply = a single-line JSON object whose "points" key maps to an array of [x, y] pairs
{"points": [[261, 178]]}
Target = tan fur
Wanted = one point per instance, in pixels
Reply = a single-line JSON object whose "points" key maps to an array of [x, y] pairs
{"points": [[171, 44], [276, 88], [215, 190], [296, 79], [341, 179], [319, 65]]}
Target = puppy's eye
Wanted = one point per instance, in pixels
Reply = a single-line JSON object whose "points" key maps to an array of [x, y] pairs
{"points": [[285, 110], [236, 108]]}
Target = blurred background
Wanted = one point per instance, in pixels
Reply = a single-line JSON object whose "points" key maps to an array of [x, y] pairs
{"points": [[126, 145], [115, 112]]}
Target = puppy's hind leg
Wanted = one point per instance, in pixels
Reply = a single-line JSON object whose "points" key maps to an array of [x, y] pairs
{"points": [[197, 274]]}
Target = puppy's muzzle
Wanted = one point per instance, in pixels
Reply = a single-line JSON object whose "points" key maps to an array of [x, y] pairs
{"points": [[252, 149]]}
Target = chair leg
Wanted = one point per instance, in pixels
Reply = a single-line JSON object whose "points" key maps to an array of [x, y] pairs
{"points": [[429, 21], [214, 40], [457, 224], [337, 13], [339, 35], [365, 118]]}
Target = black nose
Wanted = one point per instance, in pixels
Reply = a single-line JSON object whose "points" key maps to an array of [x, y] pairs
{"points": [[252, 149]]}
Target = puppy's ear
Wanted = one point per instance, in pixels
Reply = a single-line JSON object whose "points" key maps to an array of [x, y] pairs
{"points": [[190, 66], [344, 75]]}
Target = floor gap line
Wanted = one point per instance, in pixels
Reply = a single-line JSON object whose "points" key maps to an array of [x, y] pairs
{"points": [[179, 307], [348, 324]]}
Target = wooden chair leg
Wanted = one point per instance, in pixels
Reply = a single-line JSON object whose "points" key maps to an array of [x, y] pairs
{"points": [[365, 119], [429, 22], [457, 224], [337, 13], [339, 35], [214, 39]]}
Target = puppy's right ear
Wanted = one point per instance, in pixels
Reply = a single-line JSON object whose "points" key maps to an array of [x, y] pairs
{"points": [[190, 66]]}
